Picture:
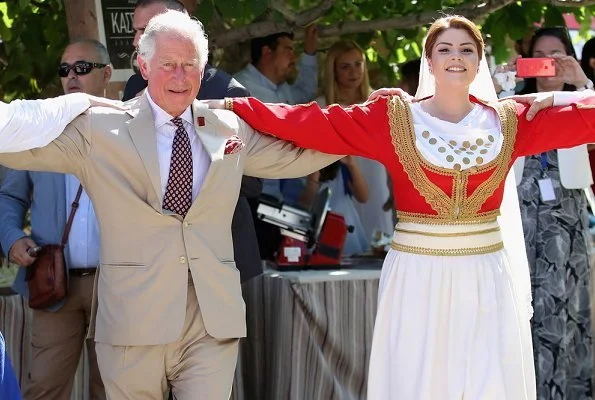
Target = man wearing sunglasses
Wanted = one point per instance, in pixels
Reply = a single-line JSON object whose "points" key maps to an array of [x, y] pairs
{"points": [[58, 334]]}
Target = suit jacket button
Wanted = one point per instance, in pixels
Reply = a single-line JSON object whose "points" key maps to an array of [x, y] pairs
{"points": [[182, 260]]}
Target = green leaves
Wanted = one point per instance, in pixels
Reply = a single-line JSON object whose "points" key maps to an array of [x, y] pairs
{"points": [[33, 40], [34, 33], [553, 17]]}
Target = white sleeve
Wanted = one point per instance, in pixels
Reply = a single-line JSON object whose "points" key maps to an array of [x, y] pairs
{"points": [[567, 98], [28, 124]]}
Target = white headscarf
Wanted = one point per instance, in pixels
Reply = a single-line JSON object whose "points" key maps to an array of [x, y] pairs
{"points": [[510, 222]]}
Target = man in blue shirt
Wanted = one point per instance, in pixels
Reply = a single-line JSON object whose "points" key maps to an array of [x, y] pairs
{"points": [[58, 333], [273, 63]]}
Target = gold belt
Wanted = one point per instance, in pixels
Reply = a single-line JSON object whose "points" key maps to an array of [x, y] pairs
{"points": [[447, 240]]}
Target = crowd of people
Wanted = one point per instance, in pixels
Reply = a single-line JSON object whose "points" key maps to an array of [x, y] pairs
{"points": [[165, 186]]}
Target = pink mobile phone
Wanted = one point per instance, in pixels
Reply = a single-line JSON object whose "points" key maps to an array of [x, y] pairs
{"points": [[535, 67]]}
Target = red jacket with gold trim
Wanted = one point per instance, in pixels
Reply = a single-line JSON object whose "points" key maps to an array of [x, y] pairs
{"points": [[382, 130]]}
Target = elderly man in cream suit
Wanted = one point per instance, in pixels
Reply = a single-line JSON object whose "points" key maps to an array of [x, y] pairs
{"points": [[164, 176]]}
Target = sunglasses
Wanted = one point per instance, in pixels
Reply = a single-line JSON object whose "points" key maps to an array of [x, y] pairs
{"points": [[79, 68]]}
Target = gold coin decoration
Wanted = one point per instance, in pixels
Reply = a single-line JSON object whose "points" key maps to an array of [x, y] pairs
{"points": [[466, 160], [479, 160], [457, 167], [473, 147], [466, 144], [479, 142], [441, 149], [452, 143], [450, 158], [483, 151], [433, 141], [491, 138], [425, 134]]}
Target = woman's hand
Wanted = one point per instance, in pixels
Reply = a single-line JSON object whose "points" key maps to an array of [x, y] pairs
{"points": [[392, 92], [538, 102], [569, 69]]}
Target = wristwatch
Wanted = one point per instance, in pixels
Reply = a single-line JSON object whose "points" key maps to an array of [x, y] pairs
{"points": [[586, 86]]}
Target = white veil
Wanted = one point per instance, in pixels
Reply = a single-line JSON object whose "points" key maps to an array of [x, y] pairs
{"points": [[510, 218]]}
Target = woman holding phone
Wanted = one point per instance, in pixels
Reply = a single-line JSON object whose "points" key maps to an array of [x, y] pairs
{"points": [[453, 319], [553, 205]]}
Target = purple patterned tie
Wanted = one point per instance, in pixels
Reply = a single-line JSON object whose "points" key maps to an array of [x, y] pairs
{"points": [[178, 193]]}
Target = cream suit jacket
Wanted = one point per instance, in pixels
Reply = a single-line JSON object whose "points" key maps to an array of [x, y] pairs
{"points": [[140, 291]]}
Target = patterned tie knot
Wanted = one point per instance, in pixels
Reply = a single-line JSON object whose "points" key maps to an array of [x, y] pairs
{"points": [[177, 121]]}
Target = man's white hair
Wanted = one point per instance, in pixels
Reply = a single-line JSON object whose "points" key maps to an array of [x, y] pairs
{"points": [[178, 24]]}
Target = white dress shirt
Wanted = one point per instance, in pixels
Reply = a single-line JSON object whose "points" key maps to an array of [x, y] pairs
{"points": [[302, 90], [83, 241], [166, 131]]}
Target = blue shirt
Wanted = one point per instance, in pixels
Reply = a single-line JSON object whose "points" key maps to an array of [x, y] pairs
{"points": [[303, 89]]}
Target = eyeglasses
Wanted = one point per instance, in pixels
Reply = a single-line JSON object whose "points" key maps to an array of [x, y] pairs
{"points": [[79, 68]]}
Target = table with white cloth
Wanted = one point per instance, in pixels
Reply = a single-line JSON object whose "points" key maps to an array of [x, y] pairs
{"points": [[309, 333]]}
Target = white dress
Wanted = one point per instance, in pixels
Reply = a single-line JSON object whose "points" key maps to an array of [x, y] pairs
{"points": [[449, 327]]}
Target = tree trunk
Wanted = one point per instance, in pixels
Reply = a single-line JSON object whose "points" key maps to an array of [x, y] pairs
{"points": [[81, 18]]}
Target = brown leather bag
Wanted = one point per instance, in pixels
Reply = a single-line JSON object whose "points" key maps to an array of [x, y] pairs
{"points": [[46, 277]]}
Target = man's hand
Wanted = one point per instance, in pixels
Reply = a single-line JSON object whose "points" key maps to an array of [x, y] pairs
{"points": [[392, 92], [538, 102], [311, 39], [18, 252]]}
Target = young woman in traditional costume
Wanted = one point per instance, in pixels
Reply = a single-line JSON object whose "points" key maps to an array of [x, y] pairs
{"points": [[454, 299]]}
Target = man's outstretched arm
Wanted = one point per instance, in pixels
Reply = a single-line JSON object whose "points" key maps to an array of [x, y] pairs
{"points": [[28, 124]]}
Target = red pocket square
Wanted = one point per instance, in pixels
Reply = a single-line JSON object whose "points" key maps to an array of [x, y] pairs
{"points": [[233, 145]]}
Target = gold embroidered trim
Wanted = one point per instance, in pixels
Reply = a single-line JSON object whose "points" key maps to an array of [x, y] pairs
{"points": [[481, 218], [229, 103], [403, 140], [469, 251], [580, 105], [449, 234], [455, 206], [508, 119]]}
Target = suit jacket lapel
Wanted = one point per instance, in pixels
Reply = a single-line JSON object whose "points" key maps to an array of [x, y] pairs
{"points": [[142, 132], [209, 131], [213, 136]]}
